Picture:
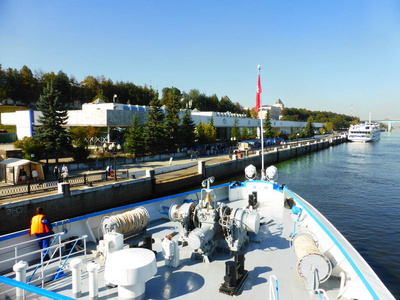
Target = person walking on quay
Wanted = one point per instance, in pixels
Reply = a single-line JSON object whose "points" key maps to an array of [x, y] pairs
{"points": [[42, 228], [64, 172], [55, 171]]}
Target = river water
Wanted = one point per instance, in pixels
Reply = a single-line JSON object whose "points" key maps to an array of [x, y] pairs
{"points": [[356, 187]]}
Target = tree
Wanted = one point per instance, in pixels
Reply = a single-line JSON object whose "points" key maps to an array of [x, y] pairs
{"points": [[28, 86], [154, 130], [31, 147], [171, 99], [210, 133], [200, 133], [235, 133], [225, 104], [245, 133], [339, 122], [187, 130], [54, 116], [292, 134], [309, 130], [135, 138], [90, 87], [78, 136], [269, 131], [205, 133], [328, 126]]}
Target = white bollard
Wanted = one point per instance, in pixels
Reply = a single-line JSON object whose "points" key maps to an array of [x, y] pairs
{"points": [[20, 275], [150, 173], [93, 270], [75, 267], [201, 167]]}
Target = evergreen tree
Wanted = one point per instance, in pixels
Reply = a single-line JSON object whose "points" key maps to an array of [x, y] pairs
{"points": [[254, 132], [187, 130], [154, 130], [235, 133], [171, 120], [245, 133], [52, 133], [135, 138], [269, 131], [309, 130]]}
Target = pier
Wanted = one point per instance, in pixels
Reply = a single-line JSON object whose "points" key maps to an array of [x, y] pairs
{"points": [[156, 179]]}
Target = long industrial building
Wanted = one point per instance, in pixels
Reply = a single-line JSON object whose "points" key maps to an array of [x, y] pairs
{"points": [[109, 115]]}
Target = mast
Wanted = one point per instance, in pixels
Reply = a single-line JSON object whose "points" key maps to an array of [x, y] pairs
{"points": [[261, 123]]}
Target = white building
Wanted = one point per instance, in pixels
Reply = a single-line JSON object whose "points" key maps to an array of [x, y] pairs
{"points": [[274, 110], [121, 115]]}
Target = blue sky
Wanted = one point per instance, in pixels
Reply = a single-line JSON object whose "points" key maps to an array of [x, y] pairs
{"points": [[340, 56]]}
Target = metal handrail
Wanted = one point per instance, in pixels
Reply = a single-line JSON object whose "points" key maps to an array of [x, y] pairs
{"points": [[16, 246], [44, 264], [28, 188]]}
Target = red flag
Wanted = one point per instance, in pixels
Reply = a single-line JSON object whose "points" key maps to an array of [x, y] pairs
{"points": [[258, 101]]}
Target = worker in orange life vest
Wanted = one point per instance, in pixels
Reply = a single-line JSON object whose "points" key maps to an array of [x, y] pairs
{"points": [[41, 227]]}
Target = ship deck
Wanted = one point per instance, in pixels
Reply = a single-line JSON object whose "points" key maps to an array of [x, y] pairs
{"points": [[268, 253]]}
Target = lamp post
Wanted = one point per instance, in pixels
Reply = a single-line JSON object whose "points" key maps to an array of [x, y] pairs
{"points": [[114, 150]]}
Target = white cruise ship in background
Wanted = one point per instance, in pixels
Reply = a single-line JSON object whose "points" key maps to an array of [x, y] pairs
{"points": [[364, 132]]}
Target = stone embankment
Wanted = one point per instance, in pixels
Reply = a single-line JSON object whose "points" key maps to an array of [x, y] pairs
{"points": [[15, 213]]}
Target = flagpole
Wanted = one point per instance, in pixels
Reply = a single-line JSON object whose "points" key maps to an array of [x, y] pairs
{"points": [[262, 130]]}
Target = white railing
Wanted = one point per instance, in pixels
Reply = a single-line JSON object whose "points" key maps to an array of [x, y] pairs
{"points": [[41, 272], [273, 288]]}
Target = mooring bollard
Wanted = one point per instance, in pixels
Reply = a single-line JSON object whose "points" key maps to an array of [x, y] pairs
{"points": [[75, 266], [93, 269]]}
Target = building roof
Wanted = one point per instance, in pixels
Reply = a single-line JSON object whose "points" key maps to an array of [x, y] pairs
{"points": [[14, 162]]}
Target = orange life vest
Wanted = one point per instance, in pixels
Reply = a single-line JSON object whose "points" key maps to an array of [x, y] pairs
{"points": [[37, 226]]}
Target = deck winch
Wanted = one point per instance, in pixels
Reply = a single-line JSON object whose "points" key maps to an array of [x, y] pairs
{"points": [[114, 227], [209, 224], [312, 265]]}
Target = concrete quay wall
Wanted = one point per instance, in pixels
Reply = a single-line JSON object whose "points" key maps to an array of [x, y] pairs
{"points": [[16, 215]]}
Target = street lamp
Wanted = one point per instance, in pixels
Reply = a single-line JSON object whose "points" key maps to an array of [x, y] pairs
{"points": [[114, 149]]}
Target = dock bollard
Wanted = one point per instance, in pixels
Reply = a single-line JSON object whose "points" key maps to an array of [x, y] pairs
{"points": [[20, 275], [75, 266], [150, 173], [201, 167], [93, 269]]}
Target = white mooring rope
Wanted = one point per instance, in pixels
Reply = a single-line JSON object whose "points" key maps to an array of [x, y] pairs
{"points": [[132, 220]]}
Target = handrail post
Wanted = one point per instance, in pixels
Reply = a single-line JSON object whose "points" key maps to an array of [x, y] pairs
{"points": [[20, 275], [29, 187]]}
